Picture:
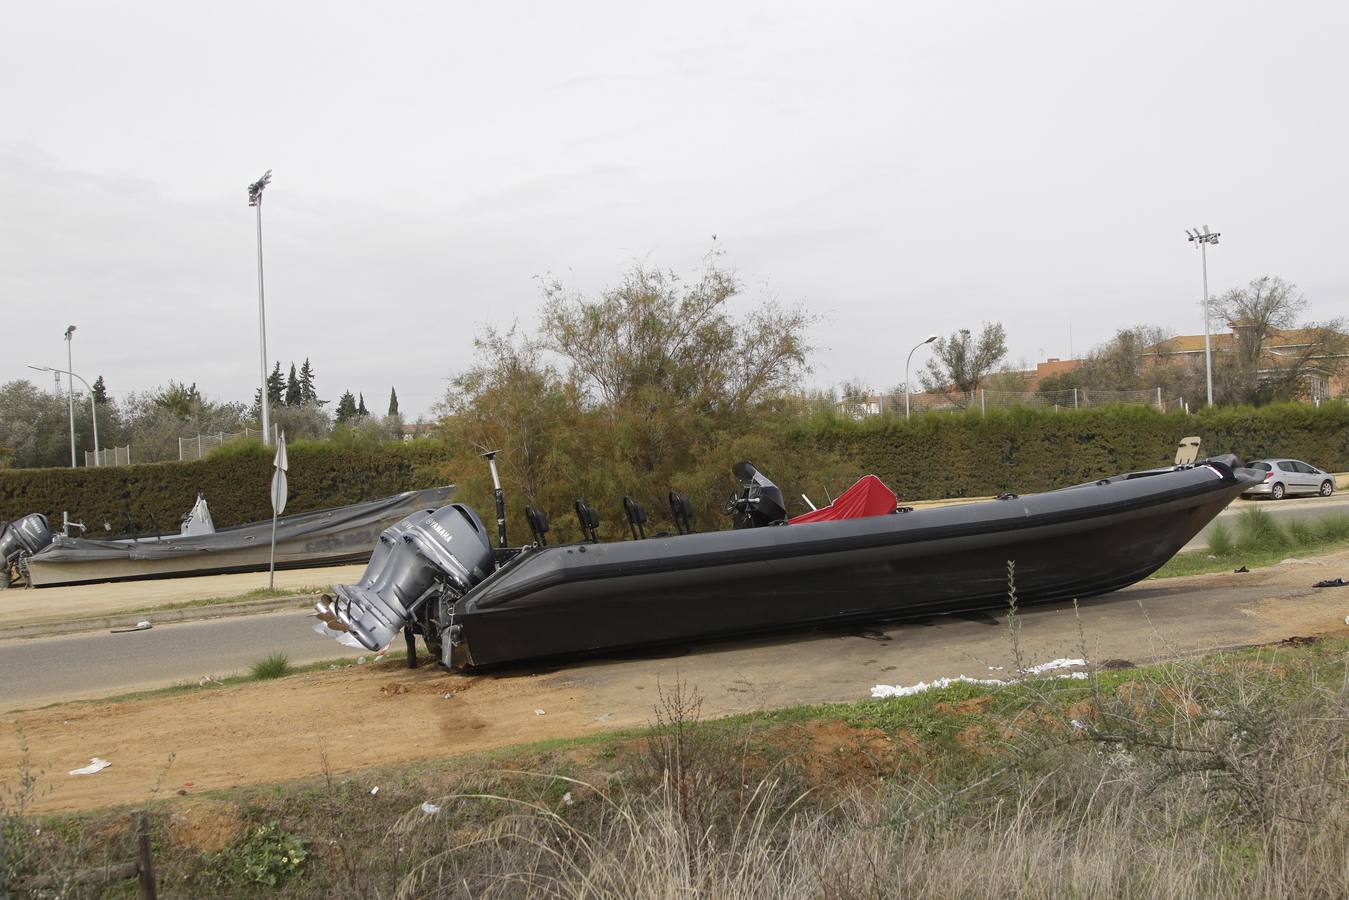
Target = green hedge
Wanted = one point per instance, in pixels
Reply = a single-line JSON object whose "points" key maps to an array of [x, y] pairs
{"points": [[932, 456], [236, 481], [1025, 450]]}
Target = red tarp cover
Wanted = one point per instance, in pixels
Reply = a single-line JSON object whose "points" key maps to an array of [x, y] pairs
{"points": [[868, 497]]}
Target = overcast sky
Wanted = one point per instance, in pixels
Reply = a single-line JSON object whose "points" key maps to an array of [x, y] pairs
{"points": [[898, 168]]}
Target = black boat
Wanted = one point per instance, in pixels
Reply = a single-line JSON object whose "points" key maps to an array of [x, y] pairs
{"points": [[439, 576]]}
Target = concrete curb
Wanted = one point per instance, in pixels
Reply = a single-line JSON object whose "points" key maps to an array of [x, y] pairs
{"points": [[158, 617]]}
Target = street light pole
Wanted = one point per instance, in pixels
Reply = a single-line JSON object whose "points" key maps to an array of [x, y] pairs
{"points": [[1202, 240], [255, 200], [907, 389], [70, 393], [93, 414]]}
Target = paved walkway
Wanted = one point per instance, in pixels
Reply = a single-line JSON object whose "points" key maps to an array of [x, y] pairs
{"points": [[31, 606]]}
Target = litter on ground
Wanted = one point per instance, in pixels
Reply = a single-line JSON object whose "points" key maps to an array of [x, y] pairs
{"points": [[95, 765], [883, 691]]}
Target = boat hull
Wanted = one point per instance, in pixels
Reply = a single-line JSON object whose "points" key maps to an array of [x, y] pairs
{"points": [[327, 537], [1074, 543]]}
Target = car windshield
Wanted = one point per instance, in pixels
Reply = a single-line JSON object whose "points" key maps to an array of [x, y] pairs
{"points": [[1263, 467]]}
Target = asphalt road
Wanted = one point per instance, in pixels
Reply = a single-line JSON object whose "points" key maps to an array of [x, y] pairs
{"points": [[37, 671]]}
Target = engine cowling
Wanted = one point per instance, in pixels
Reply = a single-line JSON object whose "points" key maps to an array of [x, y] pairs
{"points": [[27, 535], [445, 550]]}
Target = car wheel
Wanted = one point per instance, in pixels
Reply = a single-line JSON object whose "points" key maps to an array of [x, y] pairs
{"points": [[1327, 488], [1277, 492]]}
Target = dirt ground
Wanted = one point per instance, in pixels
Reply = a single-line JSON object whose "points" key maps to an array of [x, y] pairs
{"points": [[351, 719]]}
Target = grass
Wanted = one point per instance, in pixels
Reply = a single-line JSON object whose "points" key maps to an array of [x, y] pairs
{"points": [[1217, 776], [273, 665], [1258, 539], [246, 596]]}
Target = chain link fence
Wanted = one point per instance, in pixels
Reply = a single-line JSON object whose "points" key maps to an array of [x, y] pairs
{"points": [[199, 445], [108, 456], [984, 400]]}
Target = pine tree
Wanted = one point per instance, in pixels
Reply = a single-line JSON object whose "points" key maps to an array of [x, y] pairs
{"points": [[393, 402], [308, 394], [100, 391], [346, 408], [360, 409], [292, 388], [276, 386]]}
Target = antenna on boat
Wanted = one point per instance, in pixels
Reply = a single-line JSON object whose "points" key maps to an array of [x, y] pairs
{"points": [[500, 495]]}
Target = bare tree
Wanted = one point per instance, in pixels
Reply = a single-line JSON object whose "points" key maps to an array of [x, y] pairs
{"points": [[1272, 357], [961, 362], [656, 336]]}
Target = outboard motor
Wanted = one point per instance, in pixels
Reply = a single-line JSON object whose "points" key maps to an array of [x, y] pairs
{"points": [[389, 539], [759, 501], [445, 552], [21, 538]]}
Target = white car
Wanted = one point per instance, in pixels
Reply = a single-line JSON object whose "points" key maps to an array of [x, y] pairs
{"points": [[1286, 477]]}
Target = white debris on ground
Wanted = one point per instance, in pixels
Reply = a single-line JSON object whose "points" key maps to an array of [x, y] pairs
{"points": [[374, 790], [430, 808], [538, 712], [95, 765], [883, 691], [566, 799], [1056, 664]]}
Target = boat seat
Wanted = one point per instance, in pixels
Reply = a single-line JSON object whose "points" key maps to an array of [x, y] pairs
{"points": [[538, 525], [590, 522], [682, 511], [636, 514]]}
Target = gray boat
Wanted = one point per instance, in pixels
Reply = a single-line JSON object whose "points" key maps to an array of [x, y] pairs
{"points": [[322, 538]]}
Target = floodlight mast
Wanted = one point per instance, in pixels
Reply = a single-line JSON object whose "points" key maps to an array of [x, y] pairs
{"points": [[255, 200], [1202, 239]]}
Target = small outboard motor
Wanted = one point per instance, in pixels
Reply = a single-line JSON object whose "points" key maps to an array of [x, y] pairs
{"points": [[759, 501], [21, 538], [446, 551]]}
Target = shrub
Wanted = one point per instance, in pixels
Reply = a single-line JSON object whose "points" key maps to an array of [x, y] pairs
{"points": [[235, 480], [1220, 541], [1257, 530], [274, 665], [1334, 527]]}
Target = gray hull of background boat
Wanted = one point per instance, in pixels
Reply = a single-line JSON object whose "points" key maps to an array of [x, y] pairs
{"points": [[325, 537], [1065, 544]]}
